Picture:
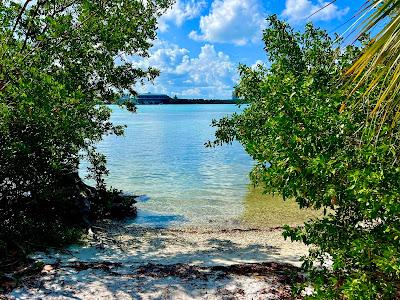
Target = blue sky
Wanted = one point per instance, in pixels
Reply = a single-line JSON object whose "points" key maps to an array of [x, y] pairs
{"points": [[201, 42]]}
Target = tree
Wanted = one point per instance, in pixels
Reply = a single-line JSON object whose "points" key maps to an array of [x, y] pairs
{"points": [[305, 149], [59, 61]]}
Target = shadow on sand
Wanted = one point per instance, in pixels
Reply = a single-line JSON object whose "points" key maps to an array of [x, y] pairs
{"points": [[131, 262]]}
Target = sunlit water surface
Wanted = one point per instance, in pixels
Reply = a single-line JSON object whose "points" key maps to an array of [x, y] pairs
{"points": [[162, 155]]}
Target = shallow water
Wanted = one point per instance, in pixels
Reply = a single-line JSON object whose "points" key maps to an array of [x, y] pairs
{"points": [[162, 155]]}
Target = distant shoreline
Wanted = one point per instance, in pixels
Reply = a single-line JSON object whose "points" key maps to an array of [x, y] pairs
{"points": [[200, 101], [156, 99], [188, 102]]}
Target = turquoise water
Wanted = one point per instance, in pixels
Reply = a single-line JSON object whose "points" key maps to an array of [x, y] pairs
{"points": [[162, 155]]}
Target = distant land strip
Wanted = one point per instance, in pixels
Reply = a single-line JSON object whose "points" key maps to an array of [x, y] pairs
{"points": [[200, 101], [156, 99]]}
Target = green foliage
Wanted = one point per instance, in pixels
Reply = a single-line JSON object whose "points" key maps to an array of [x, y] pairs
{"points": [[306, 148], [59, 61]]}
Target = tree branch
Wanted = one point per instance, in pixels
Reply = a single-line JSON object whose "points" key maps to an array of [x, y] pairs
{"points": [[40, 3], [20, 15]]}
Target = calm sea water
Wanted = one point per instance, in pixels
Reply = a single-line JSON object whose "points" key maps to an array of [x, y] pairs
{"points": [[162, 156]]}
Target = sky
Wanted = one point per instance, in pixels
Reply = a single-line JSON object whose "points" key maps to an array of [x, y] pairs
{"points": [[200, 43]]}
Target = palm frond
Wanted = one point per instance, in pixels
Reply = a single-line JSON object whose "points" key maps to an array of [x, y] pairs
{"points": [[379, 65]]}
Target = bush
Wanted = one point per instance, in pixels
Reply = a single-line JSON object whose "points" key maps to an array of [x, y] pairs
{"points": [[60, 60], [309, 147]]}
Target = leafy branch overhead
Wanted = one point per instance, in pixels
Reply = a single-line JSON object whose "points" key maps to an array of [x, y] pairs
{"points": [[92, 36]]}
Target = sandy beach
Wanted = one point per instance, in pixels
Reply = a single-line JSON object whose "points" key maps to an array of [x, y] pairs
{"points": [[128, 261]]}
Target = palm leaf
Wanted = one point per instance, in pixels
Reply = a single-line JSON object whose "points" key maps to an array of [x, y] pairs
{"points": [[379, 65]]}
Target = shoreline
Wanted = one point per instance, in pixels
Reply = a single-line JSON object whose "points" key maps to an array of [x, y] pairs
{"points": [[244, 257], [129, 261]]}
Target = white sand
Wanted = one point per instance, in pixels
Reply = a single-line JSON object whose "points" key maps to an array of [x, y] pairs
{"points": [[131, 262]]}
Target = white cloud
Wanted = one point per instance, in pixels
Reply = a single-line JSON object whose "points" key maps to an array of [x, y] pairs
{"points": [[180, 12], [210, 74], [257, 64], [208, 68], [300, 10], [164, 56], [231, 21], [193, 92]]}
